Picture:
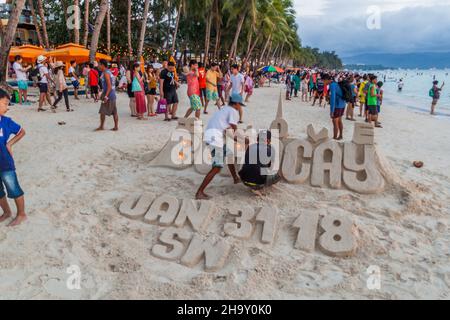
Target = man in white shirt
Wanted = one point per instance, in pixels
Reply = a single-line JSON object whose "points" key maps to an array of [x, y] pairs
{"points": [[224, 119], [22, 79], [237, 85]]}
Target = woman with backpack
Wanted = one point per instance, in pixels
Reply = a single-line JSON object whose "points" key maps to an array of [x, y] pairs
{"points": [[137, 87]]}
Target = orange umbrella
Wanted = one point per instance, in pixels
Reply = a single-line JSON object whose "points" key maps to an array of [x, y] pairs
{"points": [[29, 53], [74, 52]]}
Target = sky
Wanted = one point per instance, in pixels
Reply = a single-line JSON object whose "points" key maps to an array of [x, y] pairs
{"points": [[352, 27]]}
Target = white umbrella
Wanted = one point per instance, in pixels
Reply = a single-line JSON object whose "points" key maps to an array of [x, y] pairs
{"points": [[157, 65]]}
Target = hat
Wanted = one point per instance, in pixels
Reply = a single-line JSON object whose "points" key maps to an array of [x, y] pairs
{"points": [[237, 98], [59, 64], [41, 59]]}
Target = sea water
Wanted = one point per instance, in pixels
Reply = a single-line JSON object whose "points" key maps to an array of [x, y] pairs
{"points": [[415, 94]]}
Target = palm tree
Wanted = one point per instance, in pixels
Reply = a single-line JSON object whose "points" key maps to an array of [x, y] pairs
{"points": [[130, 47], [86, 22], [44, 26], [97, 28], [108, 28], [7, 37], [36, 24], [181, 9], [143, 28], [76, 30], [240, 10]]}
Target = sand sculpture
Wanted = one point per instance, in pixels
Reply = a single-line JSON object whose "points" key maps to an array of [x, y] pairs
{"points": [[316, 159], [186, 239]]}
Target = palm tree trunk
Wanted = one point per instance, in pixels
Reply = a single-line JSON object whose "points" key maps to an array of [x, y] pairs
{"points": [[274, 53], [207, 38], [266, 60], [97, 28], [236, 37], [130, 48], [143, 28], [8, 35], [36, 24], [108, 28], [264, 50], [76, 29], [86, 22], [44, 26], [250, 51], [175, 33]]}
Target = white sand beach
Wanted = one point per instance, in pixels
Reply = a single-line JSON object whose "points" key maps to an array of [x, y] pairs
{"points": [[75, 180]]}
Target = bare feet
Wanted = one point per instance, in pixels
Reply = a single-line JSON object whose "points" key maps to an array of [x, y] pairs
{"points": [[99, 129], [5, 217], [115, 129], [257, 193], [18, 220], [202, 196], [236, 180]]}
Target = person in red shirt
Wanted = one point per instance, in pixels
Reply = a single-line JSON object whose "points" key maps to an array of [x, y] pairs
{"points": [[202, 83], [114, 70], [93, 82]]}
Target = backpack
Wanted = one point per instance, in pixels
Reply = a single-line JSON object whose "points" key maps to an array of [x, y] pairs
{"points": [[346, 91], [431, 93], [35, 73]]}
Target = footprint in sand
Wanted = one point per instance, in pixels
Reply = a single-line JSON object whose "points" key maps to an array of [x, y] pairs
{"points": [[2, 236]]}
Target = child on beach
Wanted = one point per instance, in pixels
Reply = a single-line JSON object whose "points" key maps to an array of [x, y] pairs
{"points": [[74, 78], [93, 82], [249, 85], [151, 81], [380, 97], [202, 82], [8, 176], [212, 78]]}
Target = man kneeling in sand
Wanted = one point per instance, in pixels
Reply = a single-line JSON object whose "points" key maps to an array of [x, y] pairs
{"points": [[255, 172], [224, 119]]}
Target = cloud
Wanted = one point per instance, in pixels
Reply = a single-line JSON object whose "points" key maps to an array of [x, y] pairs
{"points": [[406, 26]]}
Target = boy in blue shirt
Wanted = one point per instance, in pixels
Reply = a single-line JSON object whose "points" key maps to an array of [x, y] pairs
{"points": [[8, 177]]}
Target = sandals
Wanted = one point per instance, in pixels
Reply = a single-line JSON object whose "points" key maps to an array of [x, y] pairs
{"points": [[69, 110], [167, 119], [174, 118], [41, 109]]}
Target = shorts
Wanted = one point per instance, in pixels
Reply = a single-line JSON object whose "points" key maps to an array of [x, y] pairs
{"points": [[270, 181], [151, 92], [211, 95], [338, 113], [203, 92], [219, 155], [22, 84], [43, 87], [373, 110], [109, 108], [76, 84], [9, 180], [171, 97], [94, 89], [196, 102], [435, 101]]}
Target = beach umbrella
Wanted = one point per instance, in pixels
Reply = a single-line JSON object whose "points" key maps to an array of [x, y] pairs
{"points": [[271, 69], [75, 52], [29, 53]]}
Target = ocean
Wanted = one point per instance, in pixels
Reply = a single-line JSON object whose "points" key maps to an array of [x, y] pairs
{"points": [[414, 95]]}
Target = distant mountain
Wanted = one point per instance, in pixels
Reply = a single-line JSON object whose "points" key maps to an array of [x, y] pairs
{"points": [[425, 60]]}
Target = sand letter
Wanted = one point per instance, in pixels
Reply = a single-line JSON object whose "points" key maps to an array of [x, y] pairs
{"points": [[133, 209], [327, 157], [165, 208], [174, 241], [198, 217]]}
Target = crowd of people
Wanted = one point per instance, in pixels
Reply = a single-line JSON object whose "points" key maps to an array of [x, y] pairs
{"points": [[342, 91]]}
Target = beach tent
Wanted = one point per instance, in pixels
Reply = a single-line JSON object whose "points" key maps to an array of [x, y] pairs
{"points": [[271, 69], [29, 53], [74, 52]]}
